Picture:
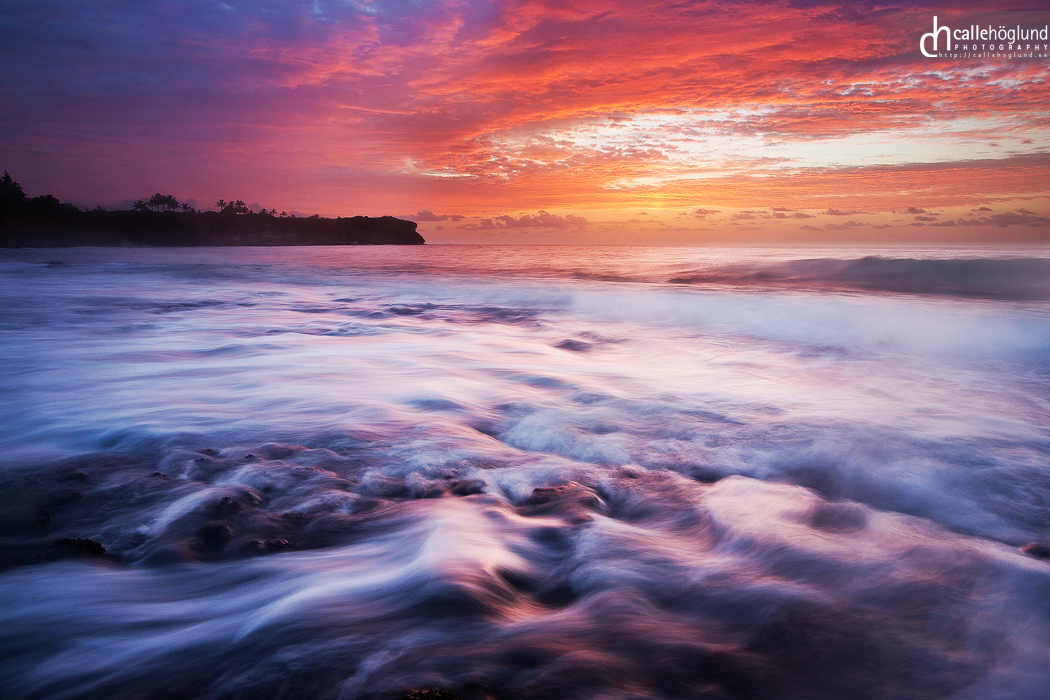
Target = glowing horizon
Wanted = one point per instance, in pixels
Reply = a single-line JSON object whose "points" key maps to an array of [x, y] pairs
{"points": [[534, 121]]}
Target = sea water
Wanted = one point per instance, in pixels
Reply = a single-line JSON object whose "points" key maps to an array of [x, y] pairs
{"points": [[525, 472]]}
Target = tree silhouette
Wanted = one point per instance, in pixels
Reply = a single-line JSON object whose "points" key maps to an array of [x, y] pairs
{"points": [[11, 194], [234, 207], [46, 202], [140, 205], [166, 202]]}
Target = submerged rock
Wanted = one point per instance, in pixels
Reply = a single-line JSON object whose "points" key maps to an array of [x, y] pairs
{"points": [[1037, 550], [227, 506], [76, 547], [574, 345], [42, 518], [214, 536], [466, 487], [431, 694]]}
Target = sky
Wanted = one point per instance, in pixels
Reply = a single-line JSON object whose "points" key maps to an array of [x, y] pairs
{"points": [[542, 121]]}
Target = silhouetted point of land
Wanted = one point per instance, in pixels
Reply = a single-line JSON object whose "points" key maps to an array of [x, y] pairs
{"points": [[45, 222]]}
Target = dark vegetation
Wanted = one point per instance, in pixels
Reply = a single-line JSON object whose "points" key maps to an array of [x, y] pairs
{"points": [[45, 222]]}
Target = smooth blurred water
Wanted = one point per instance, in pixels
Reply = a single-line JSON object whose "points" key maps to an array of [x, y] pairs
{"points": [[525, 472]]}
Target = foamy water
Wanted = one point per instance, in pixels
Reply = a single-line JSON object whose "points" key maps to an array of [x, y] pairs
{"points": [[525, 473]]}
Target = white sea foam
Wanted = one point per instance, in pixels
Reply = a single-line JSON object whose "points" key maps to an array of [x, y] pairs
{"points": [[525, 473]]}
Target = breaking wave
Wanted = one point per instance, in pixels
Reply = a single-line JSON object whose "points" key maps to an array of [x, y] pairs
{"points": [[346, 473], [1008, 278]]}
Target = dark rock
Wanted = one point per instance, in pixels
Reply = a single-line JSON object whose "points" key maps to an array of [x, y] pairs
{"points": [[466, 487], [426, 490], [542, 494], [293, 519], [1037, 550], [383, 486], [574, 345], [215, 535], [546, 494], [227, 506], [168, 554], [838, 517], [431, 694], [62, 497], [274, 545], [190, 694], [572, 502], [76, 547], [706, 475], [406, 310]]}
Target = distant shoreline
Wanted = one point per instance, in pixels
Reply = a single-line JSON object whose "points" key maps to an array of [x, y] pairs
{"points": [[69, 227], [45, 222]]}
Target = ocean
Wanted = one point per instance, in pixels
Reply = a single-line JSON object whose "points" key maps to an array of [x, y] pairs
{"points": [[525, 473]]}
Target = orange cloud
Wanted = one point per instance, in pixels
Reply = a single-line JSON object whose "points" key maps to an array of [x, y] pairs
{"points": [[483, 108]]}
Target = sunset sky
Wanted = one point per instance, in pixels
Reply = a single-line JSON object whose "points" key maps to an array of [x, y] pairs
{"points": [[536, 121]]}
